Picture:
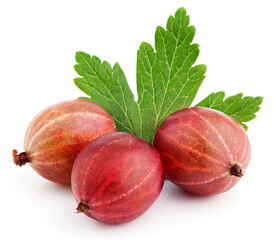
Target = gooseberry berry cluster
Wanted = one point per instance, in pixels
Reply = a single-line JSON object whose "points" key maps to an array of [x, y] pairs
{"points": [[116, 176]]}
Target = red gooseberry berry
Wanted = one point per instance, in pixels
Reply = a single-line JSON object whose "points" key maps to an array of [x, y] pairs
{"points": [[56, 135]]}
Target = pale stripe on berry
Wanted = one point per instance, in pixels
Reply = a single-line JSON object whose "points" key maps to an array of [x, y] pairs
{"points": [[61, 118]]}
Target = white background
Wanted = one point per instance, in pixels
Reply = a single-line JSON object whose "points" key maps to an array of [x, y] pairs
{"points": [[38, 41]]}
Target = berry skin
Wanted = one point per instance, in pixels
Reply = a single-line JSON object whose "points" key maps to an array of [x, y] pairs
{"points": [[56, 136], [116, 178], [204, 151]]}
